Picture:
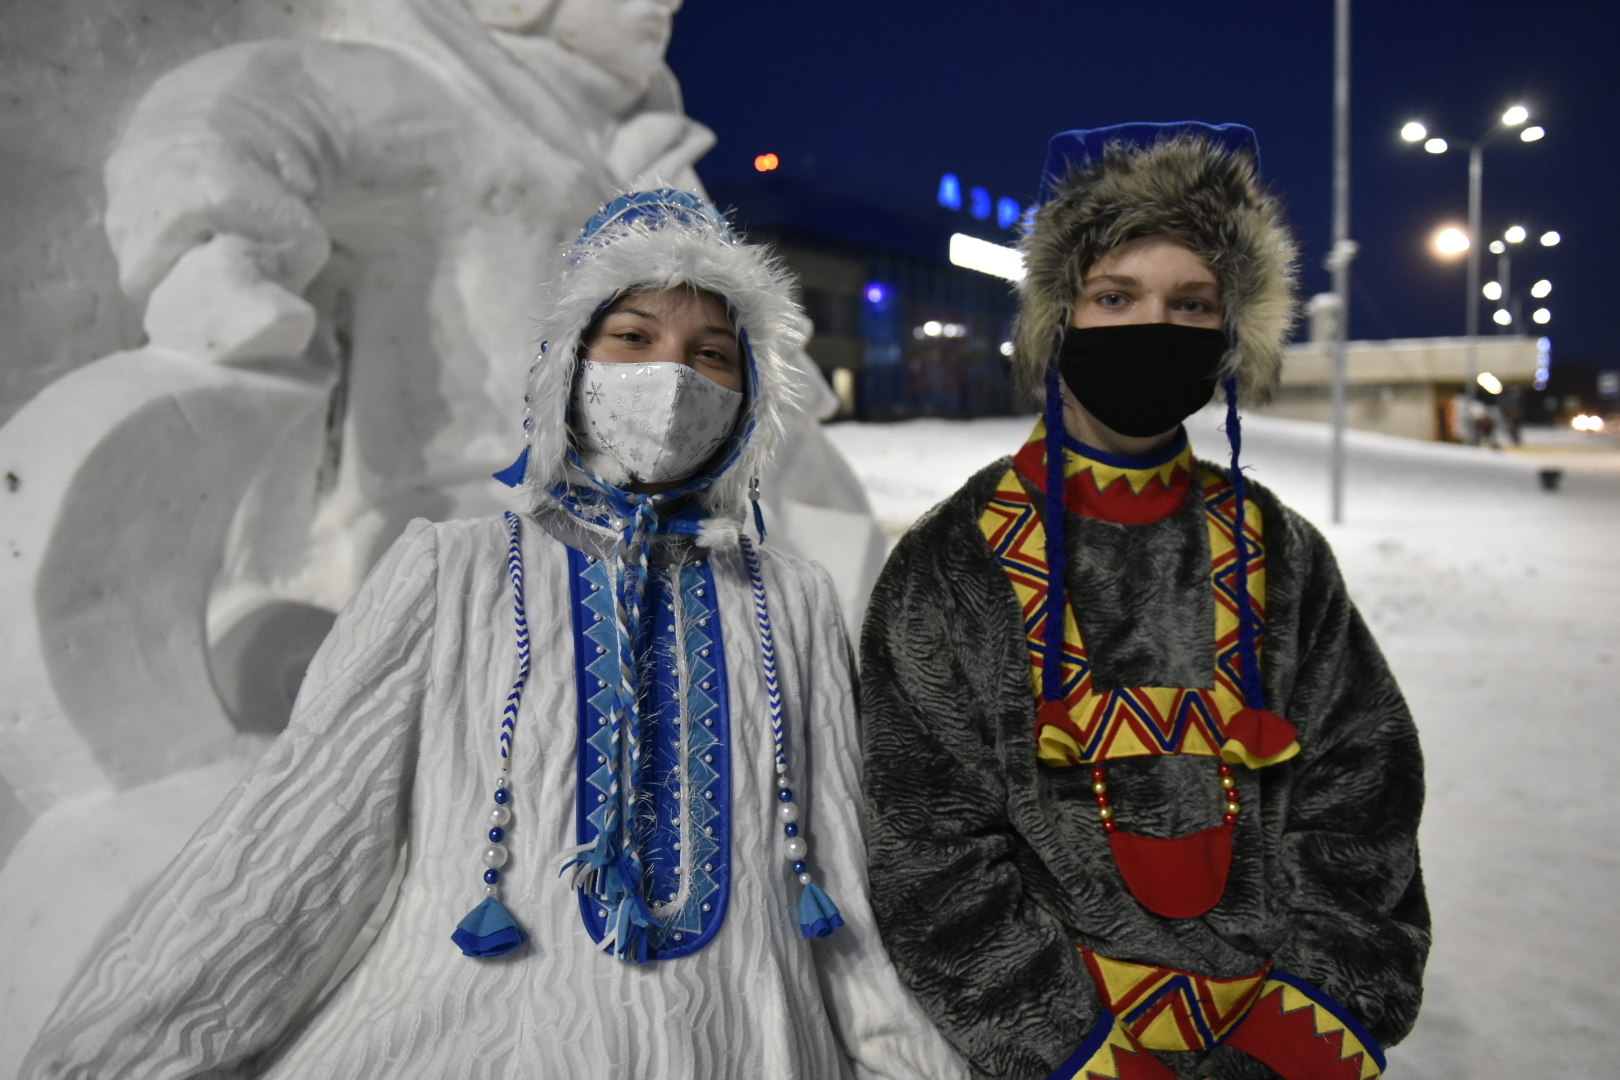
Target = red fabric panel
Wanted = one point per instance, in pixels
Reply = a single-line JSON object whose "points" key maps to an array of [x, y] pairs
{"points": [[1264, 732], [1178, 877]]}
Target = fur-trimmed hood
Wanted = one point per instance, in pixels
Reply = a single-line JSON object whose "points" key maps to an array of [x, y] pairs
{"points": [[1195, 183], [653, 241]]}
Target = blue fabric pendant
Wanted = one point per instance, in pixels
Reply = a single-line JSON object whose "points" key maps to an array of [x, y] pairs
{"points": [[514, 473], [818, 915], [488, 930]]}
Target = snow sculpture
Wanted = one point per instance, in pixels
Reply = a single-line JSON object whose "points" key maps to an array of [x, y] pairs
{"points": [[337, 242]]}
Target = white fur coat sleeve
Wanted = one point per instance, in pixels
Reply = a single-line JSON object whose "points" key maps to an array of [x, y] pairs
{"points": [[885, 1032], [230, 947]]}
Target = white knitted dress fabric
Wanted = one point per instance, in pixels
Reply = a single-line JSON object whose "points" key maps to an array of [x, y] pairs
{"points": [[393, 740]]}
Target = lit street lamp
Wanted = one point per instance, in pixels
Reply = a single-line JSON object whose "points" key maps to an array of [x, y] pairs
{"points": [[1414, 131], [1500, 291]]}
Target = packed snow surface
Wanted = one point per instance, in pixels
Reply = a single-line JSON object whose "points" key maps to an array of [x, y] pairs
{"points": [[1498, 606]]}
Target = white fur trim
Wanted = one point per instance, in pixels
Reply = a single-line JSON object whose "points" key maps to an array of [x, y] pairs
{"points": [[655, 254], [718, 534]]}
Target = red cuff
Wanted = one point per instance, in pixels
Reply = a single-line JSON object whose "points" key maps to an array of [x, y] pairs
{"points": [[1303, 1034]]}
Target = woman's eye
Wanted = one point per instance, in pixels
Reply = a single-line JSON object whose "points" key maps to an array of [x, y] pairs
{"points": [[1196, 307], [1112, 300], [634, 337]]}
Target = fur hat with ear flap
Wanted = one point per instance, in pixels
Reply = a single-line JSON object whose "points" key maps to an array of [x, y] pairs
{"points": [[647, 242], [1197, 183]]}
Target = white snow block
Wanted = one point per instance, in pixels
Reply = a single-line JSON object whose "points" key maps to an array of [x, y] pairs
{"points": [[221, 303], [128, 473]]}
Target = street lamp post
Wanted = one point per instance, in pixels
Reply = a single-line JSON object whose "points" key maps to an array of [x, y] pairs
{"points": [[1414, 132], [1476, 184], [1344, 248]]}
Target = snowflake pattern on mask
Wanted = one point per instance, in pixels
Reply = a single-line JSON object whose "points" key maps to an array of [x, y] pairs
{"points": [[660, 421]]}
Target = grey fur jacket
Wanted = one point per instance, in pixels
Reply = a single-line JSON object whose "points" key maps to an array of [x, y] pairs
{"points": [[988, 867]]}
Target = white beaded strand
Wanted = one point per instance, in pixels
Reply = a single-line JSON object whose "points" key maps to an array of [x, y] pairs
{"points": [[495, 854]]}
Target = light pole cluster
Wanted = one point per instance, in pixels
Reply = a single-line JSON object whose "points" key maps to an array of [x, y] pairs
{"points": [[1451, 241], [1500, 291]]}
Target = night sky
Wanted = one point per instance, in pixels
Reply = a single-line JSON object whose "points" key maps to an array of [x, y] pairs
{"points": [[894, 93]]}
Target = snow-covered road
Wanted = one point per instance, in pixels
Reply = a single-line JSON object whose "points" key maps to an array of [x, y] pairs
{"points": [[1498, 605]]}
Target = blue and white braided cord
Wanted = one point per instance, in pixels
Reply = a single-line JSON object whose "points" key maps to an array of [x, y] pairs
{"points": [[514, 700], [818, 915], [767, 648]]}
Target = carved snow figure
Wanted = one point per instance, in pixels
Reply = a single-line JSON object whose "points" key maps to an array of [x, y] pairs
{"points": [[338, 244]]}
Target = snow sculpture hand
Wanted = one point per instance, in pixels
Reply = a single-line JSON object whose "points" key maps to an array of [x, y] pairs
{"points": [[221, 303], [653, 148]]}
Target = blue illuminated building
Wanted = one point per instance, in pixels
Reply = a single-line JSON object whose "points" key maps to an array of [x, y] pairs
{"points": [[899, 331], [1007, 212]]}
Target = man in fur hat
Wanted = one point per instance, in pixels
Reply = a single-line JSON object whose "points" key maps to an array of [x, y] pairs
{"points": [[1143, 800]]}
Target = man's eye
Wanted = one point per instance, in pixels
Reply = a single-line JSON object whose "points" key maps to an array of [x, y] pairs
{"points": [[1112, 299]]}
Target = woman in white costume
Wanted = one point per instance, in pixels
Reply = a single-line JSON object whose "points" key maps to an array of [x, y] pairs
{"points": [[646, 814]]}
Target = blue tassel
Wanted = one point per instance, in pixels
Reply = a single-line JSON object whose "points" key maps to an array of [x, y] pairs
{"points": [[1056, 551], [513, 474], [488, 930], [759, 521], [1254, 694], [818, 915]]}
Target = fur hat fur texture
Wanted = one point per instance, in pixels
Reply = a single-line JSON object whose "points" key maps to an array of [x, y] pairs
{"points": [[668, 240], [1187, 186]]}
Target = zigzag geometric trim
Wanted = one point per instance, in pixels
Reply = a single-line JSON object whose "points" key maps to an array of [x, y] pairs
{"points": [[1167, 1009], [1132, 721], [1303, 1034], [1109, 1053]]}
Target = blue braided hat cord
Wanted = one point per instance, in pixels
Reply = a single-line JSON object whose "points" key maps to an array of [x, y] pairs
{"points": [[1254, 692], [610, 868], [1056, 554]]}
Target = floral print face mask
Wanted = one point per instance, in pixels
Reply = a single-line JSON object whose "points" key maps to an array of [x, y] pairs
{"points": [[660, 421]]}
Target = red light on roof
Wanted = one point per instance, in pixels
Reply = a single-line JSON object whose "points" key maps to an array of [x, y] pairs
{"points": [[767, 162]]}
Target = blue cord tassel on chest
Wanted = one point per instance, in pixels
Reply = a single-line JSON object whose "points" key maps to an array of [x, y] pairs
{"points": [[489, 930]]}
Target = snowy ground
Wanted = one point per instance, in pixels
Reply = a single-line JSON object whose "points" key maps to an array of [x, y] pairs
{"points": [[1498, 605]]}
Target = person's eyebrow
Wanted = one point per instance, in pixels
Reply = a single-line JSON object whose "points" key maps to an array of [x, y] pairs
{"points": [[720, 331], [1117, 279], [634, 311]]}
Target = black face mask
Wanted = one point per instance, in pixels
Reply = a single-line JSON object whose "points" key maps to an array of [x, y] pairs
{"points": [[1142, 379]]}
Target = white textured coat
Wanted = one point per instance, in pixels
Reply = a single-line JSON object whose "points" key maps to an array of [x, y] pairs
{"points": [[393, 743]]}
